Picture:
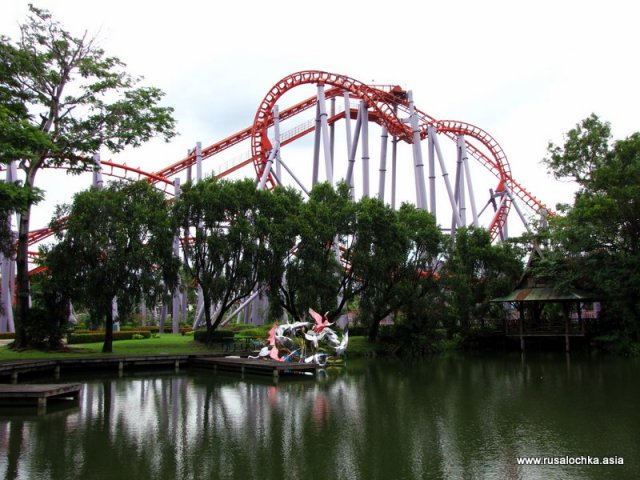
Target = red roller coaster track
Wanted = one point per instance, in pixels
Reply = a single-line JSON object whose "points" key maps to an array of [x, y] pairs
{"points": [[384, 103]]}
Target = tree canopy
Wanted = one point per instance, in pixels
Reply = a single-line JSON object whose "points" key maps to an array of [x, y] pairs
{"points": [[117, 242], [594, 246], [63, 99]]}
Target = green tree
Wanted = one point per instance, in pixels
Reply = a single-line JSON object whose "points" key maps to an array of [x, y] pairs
{"points": [[476, 271], [66, 100], [317, 275], [584, 150], [395, 258], [595, 245], [280, 216], [118, 242], [224, 240]]}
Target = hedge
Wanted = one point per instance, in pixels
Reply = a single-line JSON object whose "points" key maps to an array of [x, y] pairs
{"points": [[7, 336], [167, 329], [217, 336], [99, 336]]}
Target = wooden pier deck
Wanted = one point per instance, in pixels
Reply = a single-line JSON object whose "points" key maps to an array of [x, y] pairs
{"points": [[256, 366], [38, 394], [14, 371]]}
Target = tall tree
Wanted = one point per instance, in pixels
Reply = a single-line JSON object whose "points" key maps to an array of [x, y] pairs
{"points": [[118, 242], [396, 258], [281, 215], [223, 241], [315, 276], [595, 245], [69, 99], [476, 271]]}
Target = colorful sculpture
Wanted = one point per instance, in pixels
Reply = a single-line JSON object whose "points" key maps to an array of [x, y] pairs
{"points": [[309, 342]]}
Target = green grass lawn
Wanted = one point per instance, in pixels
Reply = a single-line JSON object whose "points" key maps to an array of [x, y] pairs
{"points": [[164, 344]]}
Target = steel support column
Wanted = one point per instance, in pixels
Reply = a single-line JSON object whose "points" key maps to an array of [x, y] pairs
{"points": [[175, 312], [462, 145], [97, 172], [324, 127], [365, 148], [353, 151], [198, 161], [431, 133], [383, 163], [418, 165], [447, 182]]}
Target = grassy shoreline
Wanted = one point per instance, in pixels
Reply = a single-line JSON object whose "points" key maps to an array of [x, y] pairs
{"points": [[164, 344]]}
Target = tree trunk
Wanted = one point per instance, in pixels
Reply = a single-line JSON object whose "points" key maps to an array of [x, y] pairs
{"points": [[373, 330], [108, 333], [22, 278]]}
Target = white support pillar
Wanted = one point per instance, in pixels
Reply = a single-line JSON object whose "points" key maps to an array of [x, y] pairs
{"points": [[267, 169], [459, 188], [175, 312], [383, 163], [274, 154], [316, 148], [394, 172], [431, 133], [417, 155], [241, 308], [332, 133], [7, 270], [324, 126], [462, 144], [143, 313], [199, 314], [97, 172], [347, 120], [447, 182], [198, 161], [353, 151], [517, 208], [365, 148], [6, 308], [296, 179], [276, 144]]}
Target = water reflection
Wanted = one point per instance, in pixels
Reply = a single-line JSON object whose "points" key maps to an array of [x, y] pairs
{"points": [[441, 418]]}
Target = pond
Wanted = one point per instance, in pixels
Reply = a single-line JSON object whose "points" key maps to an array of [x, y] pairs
{"points": [[455, 417]]}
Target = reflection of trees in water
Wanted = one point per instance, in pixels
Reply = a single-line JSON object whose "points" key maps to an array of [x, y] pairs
{"points": [[427, 419]]}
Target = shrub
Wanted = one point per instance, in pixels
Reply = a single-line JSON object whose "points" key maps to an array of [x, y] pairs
{"points": [[167, 329], [99, 336], [44, 331], [217, 336]]}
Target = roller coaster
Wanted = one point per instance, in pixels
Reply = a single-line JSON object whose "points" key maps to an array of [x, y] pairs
{"points": [[443, 181]]}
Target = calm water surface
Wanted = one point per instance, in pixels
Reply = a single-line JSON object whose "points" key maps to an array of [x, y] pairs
{"points": [[459, 418]]}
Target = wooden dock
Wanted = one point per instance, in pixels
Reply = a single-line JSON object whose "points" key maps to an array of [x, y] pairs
{"points": [[256, 366], [38, 394], [14, 371]]}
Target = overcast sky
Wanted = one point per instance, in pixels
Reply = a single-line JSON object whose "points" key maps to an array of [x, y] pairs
{"points": [[524, 71]]}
